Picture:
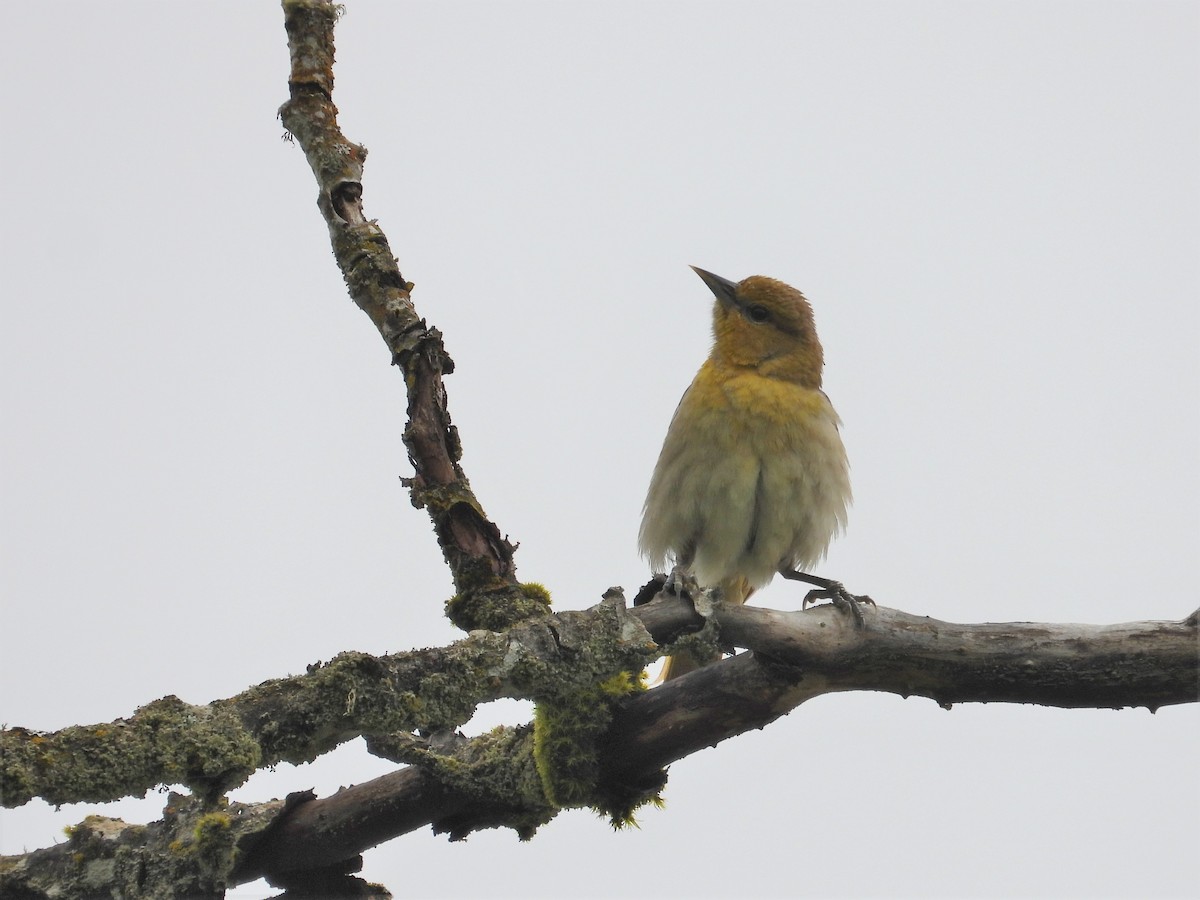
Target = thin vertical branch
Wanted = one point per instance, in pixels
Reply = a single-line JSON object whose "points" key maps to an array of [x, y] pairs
{"points": [[479, 556]]}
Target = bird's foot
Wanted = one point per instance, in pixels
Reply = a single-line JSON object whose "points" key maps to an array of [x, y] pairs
{"points": [[681, 583], [828, 589], [836, 593]]}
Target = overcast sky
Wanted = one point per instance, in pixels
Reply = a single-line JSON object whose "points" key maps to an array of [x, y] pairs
{"points": [[993, 207]]}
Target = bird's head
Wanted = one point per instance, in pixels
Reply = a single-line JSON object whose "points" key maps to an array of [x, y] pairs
{"points": [[766, 325]]}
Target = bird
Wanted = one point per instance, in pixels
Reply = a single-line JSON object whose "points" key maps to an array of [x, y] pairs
{"points": [[752, 480]]}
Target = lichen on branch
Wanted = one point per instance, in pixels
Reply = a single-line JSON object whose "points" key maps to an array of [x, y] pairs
{"points": [[479, 555], [214, 748]]}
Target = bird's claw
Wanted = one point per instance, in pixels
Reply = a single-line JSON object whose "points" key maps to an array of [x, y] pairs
{"points": [[837, 594], [681, 583]]}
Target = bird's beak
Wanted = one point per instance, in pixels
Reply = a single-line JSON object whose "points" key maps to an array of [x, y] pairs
{"points": [[723, 289]]}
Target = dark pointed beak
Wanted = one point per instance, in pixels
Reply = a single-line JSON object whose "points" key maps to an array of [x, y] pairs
{"points": [[723, 289]]}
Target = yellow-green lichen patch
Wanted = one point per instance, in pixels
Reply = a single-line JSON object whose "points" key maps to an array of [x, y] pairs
{"points": [[496, 605], [567, 730]]}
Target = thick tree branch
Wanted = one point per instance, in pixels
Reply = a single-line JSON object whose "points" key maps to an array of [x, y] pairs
{"points": [[187, 853], [796, 655], [1149, 664], [800, 655], [216, 747]]}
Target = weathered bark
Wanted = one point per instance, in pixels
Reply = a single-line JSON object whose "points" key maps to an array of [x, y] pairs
{"points": [[795, 656], [798, 655], [480, 558], [216, 747]]}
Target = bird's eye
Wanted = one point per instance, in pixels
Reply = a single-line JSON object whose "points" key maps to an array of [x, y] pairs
{"points": [[758, 313]]}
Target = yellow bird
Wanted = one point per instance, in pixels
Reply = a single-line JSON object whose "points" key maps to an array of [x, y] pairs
{"points": [[752, 480]]}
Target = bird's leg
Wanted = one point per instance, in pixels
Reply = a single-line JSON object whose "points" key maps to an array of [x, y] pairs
{"points": [[828, 589]]}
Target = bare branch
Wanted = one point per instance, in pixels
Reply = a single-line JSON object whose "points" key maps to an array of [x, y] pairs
{"points": [[1149, 664], [479, 557], [797, 655], [810, 653], [214, 747]]}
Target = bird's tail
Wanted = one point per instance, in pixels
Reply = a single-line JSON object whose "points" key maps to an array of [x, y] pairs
{"points": [[735, 591]]}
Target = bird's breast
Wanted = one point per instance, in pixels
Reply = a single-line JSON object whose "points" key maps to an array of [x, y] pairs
{"points": [[753, 475]]}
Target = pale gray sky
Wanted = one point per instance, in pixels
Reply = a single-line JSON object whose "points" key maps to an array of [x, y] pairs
{"points": [[993, 207]]}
